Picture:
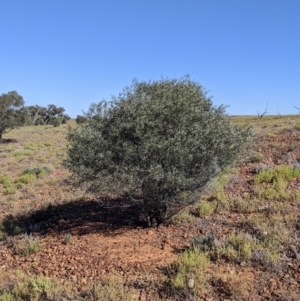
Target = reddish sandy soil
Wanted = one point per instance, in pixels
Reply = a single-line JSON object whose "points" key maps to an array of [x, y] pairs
{"points": [[117, 240]]}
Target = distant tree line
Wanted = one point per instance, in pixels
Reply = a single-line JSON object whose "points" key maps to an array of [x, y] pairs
{"points": [[47, 115], [14, 113]]}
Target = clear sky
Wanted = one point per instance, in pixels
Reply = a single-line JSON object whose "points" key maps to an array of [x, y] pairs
{"points": [[74, 52]]}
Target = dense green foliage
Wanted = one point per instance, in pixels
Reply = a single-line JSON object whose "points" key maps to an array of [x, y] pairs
{"points": [[158, 142], [12, 113], [47, 115], [80, 119]]}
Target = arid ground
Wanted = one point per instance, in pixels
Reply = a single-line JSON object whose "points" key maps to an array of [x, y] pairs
{"points": [[59, 243]]}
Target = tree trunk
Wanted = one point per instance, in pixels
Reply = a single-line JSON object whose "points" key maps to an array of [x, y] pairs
{"points": [[156, 212]]}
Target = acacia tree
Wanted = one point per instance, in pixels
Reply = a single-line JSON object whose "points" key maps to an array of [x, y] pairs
{"points": [[158, 142], [12, 113]]}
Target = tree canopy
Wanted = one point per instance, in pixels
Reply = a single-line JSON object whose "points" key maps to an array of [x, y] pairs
{"points": [[160, 143], [12, 112], [47, 115]]}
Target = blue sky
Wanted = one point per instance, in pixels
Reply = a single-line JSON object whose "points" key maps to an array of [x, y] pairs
{"points": [[74, 52]]}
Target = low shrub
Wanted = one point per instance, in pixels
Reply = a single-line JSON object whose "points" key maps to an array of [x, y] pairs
{"points": [[10, 189], [256, 157], [237, 248], [38, 172], [192, 266], [19, 287], [112, 288], [26, 245], [206, 208], [6, 181], [182, 217], [204, 243], [67, 238], [25, 178]]}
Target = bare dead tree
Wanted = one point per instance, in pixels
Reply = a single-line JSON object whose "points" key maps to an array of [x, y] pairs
{"points": [[265, 112], [279, 115], [297, 109]]}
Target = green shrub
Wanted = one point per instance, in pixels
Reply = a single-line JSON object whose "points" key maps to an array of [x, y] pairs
{"points": [[31, 146], [278, 180], [237, 248], [25, 178], [206, 208], [22, 153], [80, 119], [56, 122], [10, 149], [245, 205], [6, 181], [203, 243], [182, 217], [219, 193], [266, 175], [284, 172], [287, 172], [256, 157], [156, 142], [192, 264], [10, 189], [33, 288], [38, 172], [18, 185]]}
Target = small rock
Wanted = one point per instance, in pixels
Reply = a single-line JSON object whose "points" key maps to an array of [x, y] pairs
{"points": [[150, 233]]}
